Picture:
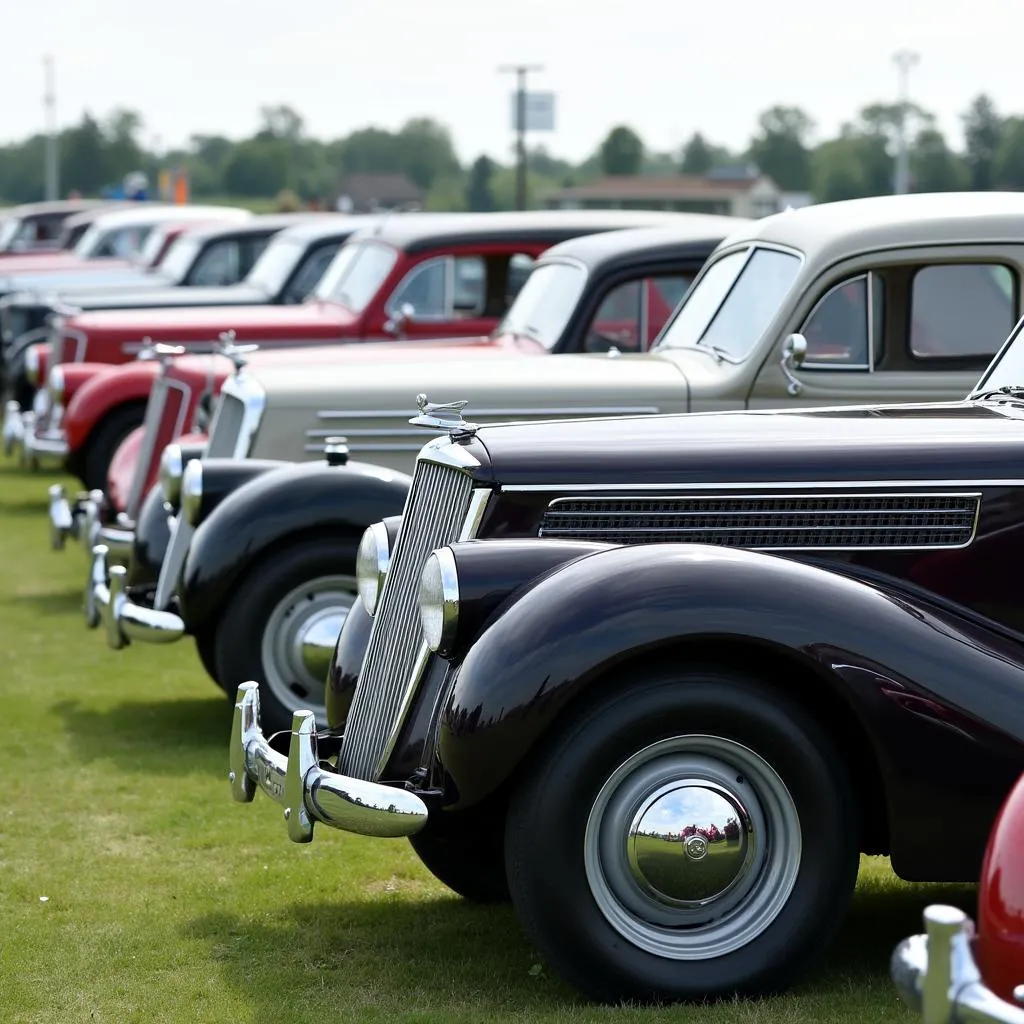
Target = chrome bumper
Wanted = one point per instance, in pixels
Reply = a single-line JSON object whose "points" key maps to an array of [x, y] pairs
{"points": [[14, 427], [123, 620], [936, 975], [307, 792], [80, 520], [50, 447]]}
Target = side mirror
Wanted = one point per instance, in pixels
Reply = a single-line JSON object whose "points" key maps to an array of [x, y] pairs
{"points": [[794, 351], [397, 323]]}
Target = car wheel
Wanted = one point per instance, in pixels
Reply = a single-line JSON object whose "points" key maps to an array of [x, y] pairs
{"points": [[207, 651], [467, 855], [282, 626], [691, 835], [104, 442]]}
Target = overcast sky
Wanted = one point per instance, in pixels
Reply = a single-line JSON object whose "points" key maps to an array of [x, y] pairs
{"points": [[665, 67]]}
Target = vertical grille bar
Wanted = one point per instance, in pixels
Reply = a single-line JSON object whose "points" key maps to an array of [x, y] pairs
{"points": [[151, 428], [227, 422], [434, 512]]}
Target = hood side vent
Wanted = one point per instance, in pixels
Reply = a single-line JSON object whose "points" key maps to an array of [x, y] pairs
{"points": [[822, 522]]}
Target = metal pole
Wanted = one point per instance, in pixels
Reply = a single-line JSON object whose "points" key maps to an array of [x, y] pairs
{"points": [[521, 71], [50, 102], [904, 61]]}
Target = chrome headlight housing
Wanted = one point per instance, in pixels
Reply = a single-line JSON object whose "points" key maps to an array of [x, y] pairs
{"points": [[439, 601], [32, 365], [192, 492], [55, 385], [171, 469], [373, 560]]}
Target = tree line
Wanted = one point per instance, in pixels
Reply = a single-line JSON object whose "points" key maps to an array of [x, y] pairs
{"points": [[281, 159]]}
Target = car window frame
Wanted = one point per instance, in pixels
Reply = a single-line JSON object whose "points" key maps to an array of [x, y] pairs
{"points": [[870, 277]]}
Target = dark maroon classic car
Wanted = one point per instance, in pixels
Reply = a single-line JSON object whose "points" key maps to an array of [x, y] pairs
{"points": [[586, 648]]}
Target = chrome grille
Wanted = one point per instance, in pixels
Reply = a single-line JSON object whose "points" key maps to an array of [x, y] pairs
{"points": [[435, 510], [225, 428], [811, 521], [150, 430]]}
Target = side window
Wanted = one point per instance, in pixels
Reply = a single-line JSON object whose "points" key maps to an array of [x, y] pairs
{"points": [[250, 251], [960, 310], [633, 313], [424, 289], [840, 331], [218, 265], [469, 293], [307, 277]]}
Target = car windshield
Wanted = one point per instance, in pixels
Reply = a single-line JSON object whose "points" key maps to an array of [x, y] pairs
{"points": [[179, 258], [545, 302], [356, 274], [1007, 369], [731, 306], [275, 265], [154, 245], [124, 242]]}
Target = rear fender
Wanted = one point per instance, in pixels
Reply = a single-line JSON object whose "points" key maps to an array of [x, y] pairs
{"points": [[916, 683], [277, 508]]}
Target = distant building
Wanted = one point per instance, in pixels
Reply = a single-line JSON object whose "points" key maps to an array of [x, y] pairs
{"points": [[734, 191], [373, 193]]}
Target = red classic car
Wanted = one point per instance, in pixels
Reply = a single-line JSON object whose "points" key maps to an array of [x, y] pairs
{"points": [[955, 972], [413, 276]]}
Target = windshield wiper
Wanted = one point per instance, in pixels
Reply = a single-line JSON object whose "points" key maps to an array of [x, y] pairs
{"points": [[1009, 391]]}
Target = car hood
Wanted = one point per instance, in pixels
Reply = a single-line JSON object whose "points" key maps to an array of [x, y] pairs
{"points": [[150, 294], [257, 323], [944, 444]]}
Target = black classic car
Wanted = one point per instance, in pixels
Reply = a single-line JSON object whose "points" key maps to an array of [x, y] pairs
{"points": [[662, 680], [291, 530]]}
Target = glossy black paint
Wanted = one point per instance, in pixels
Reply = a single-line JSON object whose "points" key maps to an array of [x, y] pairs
{"points": [[277, 508], [920, 682], [222, 477], [152, 535]]}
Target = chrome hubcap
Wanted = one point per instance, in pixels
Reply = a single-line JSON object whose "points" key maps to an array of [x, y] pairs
{"points": [[692, 847], [300, 638]]}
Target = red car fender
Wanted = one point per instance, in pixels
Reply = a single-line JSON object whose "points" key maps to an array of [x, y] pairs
{"points": [[103, 392], [76, 374], [1000, 940], [122, 469]]}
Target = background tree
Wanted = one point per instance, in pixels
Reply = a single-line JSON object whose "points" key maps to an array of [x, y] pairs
{"points": [[780, 147], [699, 156], [983, 129], [479, 189], [1008, 165], [622, 152], [934, 167]]}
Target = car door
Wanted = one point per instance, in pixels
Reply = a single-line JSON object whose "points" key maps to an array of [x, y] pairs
{"points": [[918, 331], [457, 294]]}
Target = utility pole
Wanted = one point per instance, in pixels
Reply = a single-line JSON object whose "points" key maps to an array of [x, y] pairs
{"points": [[50, 103], [520, 71], [904, 61]]}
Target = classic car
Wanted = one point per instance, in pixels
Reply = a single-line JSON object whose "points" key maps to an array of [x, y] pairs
{"points": [[460, 269], [37, 227], [578, 639], [955, 972], [211, 256], [635, 272], [285, 274]]}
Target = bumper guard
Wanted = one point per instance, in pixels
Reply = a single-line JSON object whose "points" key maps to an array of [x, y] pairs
{"points": [[123, 620], [937, 976], [308, 792], [14, 427]]}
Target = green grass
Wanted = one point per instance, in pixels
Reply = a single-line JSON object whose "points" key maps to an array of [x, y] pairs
{"points": [[167, 902]]}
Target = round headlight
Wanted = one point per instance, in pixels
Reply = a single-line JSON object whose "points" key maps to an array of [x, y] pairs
{"points": [[55, 385], [192, 492], [372, 562], [439, 601], [32, 365], [171, 468]]}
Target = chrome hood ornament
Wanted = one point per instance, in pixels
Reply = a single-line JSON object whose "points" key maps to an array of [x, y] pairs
{"points": [[446, 416], [236, 353], [164, 353]]}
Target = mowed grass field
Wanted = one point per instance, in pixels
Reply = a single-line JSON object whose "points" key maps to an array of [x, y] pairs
{"points": [[132, 888]]}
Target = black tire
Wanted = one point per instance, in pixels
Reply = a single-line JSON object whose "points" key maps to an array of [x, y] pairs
{"points": [[467, 855], [207, 653], [239, 635], [548, 858], [104, 442]]}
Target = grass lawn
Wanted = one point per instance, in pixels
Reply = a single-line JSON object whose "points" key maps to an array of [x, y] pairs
{"points": [[133, 889]]}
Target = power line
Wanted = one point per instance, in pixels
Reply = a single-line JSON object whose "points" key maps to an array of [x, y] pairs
{"points": [[520, 71]]}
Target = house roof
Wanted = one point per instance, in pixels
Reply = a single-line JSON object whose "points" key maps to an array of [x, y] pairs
{"points": [[384, 187], [640, 186]]}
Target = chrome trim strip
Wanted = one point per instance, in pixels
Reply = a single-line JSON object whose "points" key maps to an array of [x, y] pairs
{"points": [[580, 410], [174, 560], [774, 495], [720, 488], [446, 452], [477, 505]]}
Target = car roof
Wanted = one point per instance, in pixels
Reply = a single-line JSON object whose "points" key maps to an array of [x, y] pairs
{"points": [[146, 213], [51, 206], [417, 231], [829, 232], [691, 231], [329, 225], [257, 225], [92, 213]]}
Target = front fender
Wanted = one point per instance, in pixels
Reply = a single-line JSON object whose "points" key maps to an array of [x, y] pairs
{"points": [[920, 681], [279, 507], [104, 391], [152, 535]]}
